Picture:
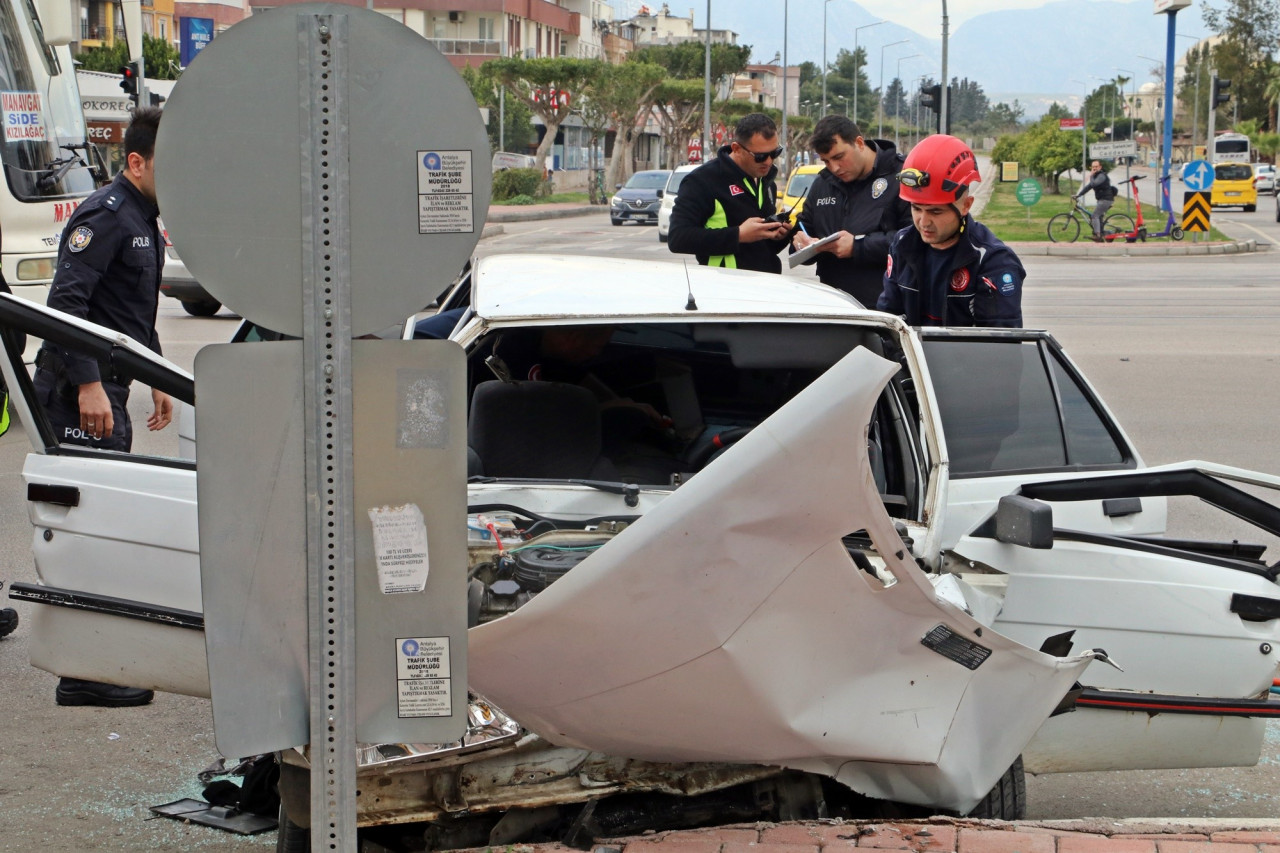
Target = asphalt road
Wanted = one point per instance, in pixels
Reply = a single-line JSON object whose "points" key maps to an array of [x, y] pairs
{"points": [[1184, 351]]}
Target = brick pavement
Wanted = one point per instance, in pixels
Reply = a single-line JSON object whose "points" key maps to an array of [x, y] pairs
{"points": [[944, 835]]}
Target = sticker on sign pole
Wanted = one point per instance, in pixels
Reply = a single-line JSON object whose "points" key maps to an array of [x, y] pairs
{"points": [[423, 680], [445, 192], [400, 548]]}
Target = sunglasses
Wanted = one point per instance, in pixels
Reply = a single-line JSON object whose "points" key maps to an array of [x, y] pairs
{"points": [[918, 180], [761, 156]]}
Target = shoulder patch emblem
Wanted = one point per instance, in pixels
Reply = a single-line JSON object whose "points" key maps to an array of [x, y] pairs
{"points": [[79, 239], [734, 189], [888, 268], [878, 188], [960, 280]]}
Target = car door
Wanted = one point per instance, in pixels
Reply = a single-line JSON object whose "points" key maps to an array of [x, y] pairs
{"points": [[1193, 623], [115, 537]]}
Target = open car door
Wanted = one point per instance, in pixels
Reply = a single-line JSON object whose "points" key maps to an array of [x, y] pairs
{"points": [[115, 534], [1194, 623]]}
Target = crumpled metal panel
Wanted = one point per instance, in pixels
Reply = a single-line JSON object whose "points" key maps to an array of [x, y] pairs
{"points": [[730, 624]]}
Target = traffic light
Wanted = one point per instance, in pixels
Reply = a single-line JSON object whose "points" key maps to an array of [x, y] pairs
{"points": [[129, 80], [931, 97], [156, 100], [1220, 92]]}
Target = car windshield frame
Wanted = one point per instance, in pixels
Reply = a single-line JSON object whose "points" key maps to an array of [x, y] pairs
{"points": [[1232, 172], [646, 181]]}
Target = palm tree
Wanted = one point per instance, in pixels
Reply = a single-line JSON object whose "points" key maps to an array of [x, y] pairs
{"points": [[1272, 94]]}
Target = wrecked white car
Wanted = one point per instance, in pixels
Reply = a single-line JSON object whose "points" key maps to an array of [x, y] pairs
{"points": [[738, 548]]}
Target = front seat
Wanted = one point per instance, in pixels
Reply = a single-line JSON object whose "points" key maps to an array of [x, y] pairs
{"points": [[537, 430]]}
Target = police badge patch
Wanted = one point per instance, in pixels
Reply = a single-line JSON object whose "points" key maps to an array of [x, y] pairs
{"points": [[79, 239], [878, 188]]}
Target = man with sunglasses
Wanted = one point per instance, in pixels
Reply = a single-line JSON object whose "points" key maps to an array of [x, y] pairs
{"points": [[947, 269], [722, 213], [856, 197]]}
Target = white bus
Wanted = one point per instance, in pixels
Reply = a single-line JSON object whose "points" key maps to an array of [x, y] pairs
{"points": [[49, 164], [1232, 148]]}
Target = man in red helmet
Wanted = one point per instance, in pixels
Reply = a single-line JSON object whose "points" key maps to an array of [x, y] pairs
{"points": [[947, 269]]}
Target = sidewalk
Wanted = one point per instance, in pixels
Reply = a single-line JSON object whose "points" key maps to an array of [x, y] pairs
{"points": [[953, 835]]}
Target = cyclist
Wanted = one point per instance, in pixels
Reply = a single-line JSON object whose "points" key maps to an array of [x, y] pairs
{"points": [[1103, 193]]}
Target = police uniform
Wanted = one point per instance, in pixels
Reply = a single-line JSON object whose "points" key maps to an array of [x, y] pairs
{"points": [[868, 208], [109, 262], [716, 198]]}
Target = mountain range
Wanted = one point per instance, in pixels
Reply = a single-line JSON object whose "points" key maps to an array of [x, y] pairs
{"points": [[1050, 53]]}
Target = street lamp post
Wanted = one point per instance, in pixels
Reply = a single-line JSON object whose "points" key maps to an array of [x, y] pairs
{"points": [[706, 94], [898, 115], [1195, 104], [857, 67], [1084, 131], [786, 163], [825, 3], [846, 104], [1160, 105], [880, 127], [1133, 108]]}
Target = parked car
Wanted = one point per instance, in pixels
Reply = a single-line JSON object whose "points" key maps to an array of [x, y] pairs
{"points": [[639, 198], [176, 281], [1233, 186], [669, 193], [791, 202], [1264, 177], [783, 554]]}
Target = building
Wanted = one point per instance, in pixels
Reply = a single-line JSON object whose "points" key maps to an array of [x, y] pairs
{"points": [[762, 86], [102, 22]]}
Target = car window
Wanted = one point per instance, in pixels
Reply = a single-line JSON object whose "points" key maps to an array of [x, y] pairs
{"points": [[800, 183], [673, 185], [1233, 172], [647, 181], [1004, 409]]}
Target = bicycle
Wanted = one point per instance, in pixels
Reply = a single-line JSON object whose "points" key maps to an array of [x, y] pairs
{"points": [[1065, 227]]}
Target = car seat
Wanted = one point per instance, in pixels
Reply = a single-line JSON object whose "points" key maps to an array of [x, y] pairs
{"points": [[537, 430]]}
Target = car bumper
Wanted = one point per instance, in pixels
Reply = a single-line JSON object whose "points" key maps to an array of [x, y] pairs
{"points": [[632, 213]]}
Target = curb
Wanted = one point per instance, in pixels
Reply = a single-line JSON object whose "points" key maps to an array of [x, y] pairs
{"points": [[1122, 250], [534, 212]]}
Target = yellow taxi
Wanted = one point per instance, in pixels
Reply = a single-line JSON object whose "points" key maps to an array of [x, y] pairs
{"points": [[792, 199], [1233, 186]]}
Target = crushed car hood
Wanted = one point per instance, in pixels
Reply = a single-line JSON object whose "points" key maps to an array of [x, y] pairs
{"points": [[730, 623]]}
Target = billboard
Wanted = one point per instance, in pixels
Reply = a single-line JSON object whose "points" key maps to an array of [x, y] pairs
{"points": [[194, 35]]}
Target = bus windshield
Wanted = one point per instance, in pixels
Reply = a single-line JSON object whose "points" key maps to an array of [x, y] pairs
{"points": [[44, 151]]}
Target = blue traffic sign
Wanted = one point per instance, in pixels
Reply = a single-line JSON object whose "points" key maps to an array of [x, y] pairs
{"points": [[1198, 175]]}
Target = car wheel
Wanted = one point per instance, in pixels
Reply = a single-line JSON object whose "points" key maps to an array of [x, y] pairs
{"points": [[1008, 799], [291, 838], [1278, 208], [615, 221], [1250, 208], [202, 309], [662, 238]]}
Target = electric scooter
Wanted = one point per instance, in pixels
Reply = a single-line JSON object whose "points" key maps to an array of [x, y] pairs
{"points": [[1171, 230], [1139, 231]]}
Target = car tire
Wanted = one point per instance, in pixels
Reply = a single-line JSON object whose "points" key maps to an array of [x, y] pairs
{"points": [[202, 309], [1250, 208], [662, 238], [1008, 799], [291, 838], [614, 221], [1278, 208]]}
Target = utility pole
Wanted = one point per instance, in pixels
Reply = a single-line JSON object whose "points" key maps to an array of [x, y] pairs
{"points": [[825, 3], [943, 125], [706, 94], [857, 67]]}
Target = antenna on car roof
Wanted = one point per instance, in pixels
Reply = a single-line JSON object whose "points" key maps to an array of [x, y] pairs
{"points": [[691, 305]]}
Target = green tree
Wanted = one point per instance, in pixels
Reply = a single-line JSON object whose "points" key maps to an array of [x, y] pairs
{"points": [[1250, 30], [679, 105], [548, 86], [159, 58], [516, 132], [687, 61], [625, 94], [1046, 151]]}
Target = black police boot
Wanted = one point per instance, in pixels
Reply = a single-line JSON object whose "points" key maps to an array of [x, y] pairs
{"points": [[73, 691], [8, 621]]}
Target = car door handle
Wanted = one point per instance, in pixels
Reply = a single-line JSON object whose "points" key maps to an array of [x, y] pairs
{"points": [[51, 494]]}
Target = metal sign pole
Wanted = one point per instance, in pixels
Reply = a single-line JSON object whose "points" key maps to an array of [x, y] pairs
{"points": [[327, 404]]}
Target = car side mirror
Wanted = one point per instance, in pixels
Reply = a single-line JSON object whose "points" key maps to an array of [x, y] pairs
{"points": [[659, 193], [1024, 521], [617, 186]]}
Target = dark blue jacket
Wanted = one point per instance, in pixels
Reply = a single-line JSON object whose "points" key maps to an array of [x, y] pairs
{"points": [[109, 264], [982, 288]]}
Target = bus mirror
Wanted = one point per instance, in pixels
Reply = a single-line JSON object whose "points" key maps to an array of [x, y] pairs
{"points": [[56, 22]]}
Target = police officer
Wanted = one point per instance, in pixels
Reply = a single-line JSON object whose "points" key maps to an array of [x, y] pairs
{"points": [[947, 269], [855, 196], [723, 208], [109, 263]]}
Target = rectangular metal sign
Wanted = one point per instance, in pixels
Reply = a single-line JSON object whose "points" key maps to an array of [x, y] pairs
{"points": [[1163, 6], [1112, 150], [1195, 212], [1070, 124]]}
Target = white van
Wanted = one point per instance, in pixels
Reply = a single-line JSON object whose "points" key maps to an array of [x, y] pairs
{"points": [[669, 199]]}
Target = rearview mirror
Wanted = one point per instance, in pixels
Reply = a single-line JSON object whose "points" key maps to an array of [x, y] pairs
{"points": [[1024, 521]]}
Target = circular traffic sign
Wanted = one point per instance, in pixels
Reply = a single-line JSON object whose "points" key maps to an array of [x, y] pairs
{"points": [[1198, 175], [234, 144], [1028, 191]]}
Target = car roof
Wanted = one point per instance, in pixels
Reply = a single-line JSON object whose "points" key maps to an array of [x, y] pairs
{"points": [[514, 287], [809, 169]]}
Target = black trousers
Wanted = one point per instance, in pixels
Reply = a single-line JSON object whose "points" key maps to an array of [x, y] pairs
{"points": [[62, 407]]}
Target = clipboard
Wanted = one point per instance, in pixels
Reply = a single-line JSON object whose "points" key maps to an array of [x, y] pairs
{"points": [[797, 258]]}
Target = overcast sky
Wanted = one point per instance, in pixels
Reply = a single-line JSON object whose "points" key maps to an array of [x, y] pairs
{"points": [[910, 13]]}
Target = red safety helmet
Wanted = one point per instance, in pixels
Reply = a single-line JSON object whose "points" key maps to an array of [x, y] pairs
{"points": [[937, 171]]}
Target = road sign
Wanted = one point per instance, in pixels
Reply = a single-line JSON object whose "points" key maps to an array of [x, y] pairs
{"points": [[1195, 211], [1198, 175], [1112, 150], [1070, 124], [1165, 6], [694, 153], [1028, 191]]}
